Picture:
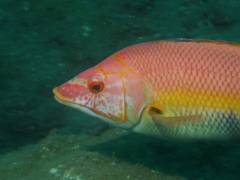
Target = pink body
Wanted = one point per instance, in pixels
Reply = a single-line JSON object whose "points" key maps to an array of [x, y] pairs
{"points": [[176, 78], [204, 66]]}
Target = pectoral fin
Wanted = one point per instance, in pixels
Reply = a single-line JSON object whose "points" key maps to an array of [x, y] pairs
{"points": [[160, 119]]}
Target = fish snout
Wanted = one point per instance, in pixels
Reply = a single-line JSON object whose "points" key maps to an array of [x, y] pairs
{"points": [[68, 92]]}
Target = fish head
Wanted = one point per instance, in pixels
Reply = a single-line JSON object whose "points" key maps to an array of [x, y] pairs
{"points": [[109, 91]]}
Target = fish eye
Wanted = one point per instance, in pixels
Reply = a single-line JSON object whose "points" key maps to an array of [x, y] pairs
{"points": [[96, 86]]}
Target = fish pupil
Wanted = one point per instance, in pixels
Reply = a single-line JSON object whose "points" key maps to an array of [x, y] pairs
{"points": [[96, 87]]}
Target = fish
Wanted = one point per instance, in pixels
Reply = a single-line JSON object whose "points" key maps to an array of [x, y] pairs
{"points": [[180, 89]]}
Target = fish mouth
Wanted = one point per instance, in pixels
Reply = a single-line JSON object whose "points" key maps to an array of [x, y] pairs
{"points": [[68, 102], [60, 98]]}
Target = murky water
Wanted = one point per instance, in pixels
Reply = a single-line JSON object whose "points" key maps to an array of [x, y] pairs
{"points": [[45, 43]]}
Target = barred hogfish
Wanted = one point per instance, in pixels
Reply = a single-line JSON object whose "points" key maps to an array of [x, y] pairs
{"points": [[178, 89]]}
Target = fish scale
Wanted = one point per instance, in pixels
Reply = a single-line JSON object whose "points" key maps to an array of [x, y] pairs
{"points": [[210, 68], [165, 63], [164, 66]]}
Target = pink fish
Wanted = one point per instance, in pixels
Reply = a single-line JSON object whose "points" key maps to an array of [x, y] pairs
{"points": [[178, 89]]}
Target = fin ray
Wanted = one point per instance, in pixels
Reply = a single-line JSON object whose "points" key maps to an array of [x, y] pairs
{"points": [[160, 119]]}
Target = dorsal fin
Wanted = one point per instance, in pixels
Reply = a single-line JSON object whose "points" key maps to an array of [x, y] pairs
{"points": [[223, 42]]}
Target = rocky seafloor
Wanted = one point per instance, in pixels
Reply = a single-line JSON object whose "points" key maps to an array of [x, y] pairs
{"points": [[44, 43]]}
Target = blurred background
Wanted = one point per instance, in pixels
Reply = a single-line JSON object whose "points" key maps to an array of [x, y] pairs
{"points": [[45, 43]]}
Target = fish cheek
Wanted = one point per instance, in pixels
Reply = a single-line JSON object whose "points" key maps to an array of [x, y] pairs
{"points": [[110, 106]]}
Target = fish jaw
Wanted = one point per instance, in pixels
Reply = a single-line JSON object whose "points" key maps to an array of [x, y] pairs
{"points": [[64, 94], [68, 102]]}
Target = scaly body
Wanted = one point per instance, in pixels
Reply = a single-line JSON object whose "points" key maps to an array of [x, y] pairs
{"points": [[173, 89]]}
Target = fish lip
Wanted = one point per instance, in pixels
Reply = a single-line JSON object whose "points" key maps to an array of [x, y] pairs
{"points": [[63, 100], [59, 97]]}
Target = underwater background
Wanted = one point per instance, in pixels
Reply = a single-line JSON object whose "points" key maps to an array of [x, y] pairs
{"points": [[45, 43]]}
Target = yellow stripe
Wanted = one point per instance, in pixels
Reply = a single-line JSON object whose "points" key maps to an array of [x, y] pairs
{"points": [[181, 98]]}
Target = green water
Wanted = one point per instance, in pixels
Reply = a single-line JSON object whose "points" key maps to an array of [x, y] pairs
{"points": [[44, 43]]}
